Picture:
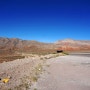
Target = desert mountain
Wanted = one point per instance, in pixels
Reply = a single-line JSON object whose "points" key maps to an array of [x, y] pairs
{"points": [[73, 45], [15, 44]]}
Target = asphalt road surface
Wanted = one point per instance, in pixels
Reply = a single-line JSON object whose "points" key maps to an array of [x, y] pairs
{"points": [[71, 72]]}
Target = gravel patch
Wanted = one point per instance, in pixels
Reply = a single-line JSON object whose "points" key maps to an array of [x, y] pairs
{"points": [[18, 72]]}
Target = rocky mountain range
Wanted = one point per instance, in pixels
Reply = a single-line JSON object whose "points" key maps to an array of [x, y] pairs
{"points": [[10, 45], [15, 44]]}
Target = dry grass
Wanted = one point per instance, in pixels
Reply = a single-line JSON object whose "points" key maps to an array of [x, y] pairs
{"points": [[9, 58]]}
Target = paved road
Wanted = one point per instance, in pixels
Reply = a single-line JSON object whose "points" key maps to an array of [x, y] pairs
{"points": [[81, 54], [70, 72]]}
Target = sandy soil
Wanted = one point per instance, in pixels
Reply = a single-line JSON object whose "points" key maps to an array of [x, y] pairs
{"points": [[18, 71], [65, 73]]}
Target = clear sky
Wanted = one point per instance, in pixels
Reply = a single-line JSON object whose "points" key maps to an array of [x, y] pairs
{"points": [[45, 20]]}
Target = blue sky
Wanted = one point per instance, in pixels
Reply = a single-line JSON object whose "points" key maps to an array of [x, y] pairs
{"points": [[45, 20]]}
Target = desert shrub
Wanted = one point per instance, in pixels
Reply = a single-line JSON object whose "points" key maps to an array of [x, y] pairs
{"points": [[65, 53]]}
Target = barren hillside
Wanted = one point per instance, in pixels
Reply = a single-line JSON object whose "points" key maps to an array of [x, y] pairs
{"points": [[73, 45], [29, 45]]}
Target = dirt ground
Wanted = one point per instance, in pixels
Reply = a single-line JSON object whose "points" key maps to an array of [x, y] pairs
{"points": [[70, 72], [20, 74], [65, 73]]}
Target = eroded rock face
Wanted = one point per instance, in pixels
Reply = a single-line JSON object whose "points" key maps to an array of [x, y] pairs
{"points": [[73, 45]]}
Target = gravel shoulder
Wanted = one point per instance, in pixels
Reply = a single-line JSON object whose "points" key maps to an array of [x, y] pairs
{"points": [[65, 73], [20, 73]]}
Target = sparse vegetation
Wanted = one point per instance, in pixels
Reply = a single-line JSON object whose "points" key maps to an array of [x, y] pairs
{"points": [[35, 88], [25, 84], [10, 58], [65, 53], [26, 81], [10, 89], [34, 79]]}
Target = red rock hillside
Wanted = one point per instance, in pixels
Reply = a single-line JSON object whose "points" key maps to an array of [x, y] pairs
{"points": [[73, 45]]}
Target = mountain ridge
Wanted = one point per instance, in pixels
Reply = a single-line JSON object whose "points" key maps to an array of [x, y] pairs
{"points": [[17, 44]]}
